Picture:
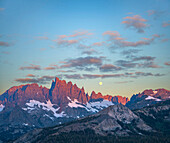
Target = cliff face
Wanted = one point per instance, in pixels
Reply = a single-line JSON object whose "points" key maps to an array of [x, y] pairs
{"points": [[57, 94], [32, 106], [111, 124], [147, 98]]}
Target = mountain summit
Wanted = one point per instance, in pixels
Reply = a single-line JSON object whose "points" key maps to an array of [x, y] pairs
{"points": [[35, 106]]}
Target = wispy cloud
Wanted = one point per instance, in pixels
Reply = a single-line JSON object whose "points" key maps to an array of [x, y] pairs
{"points": [[119, 42], [93, 76], [83, 62], [155, 13], [75, 38], [109, 68], [4, 52], [42, 38], [31, 67], [136, 62], [30, 75], [167, 63], [136, 22], [41, 80], [166, 24], [123, 82], [1, 9], [4, 44], [90, 52], [66, 71]]}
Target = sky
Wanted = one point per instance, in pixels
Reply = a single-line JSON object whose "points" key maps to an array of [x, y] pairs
{"points": [[125, 44]]}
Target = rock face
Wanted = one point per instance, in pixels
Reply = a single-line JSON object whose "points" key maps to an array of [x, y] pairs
{"points": [[147, 98], [30, 106], [116, 120], [36, 106]]}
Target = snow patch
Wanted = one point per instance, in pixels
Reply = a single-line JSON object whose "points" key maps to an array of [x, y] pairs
{"points": [[75, 104], [1, 107], [49, 116], [45, 106], [90, 106], [152, 98], [99, 105], [25, 124]]}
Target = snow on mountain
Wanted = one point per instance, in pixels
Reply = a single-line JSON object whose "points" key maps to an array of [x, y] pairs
{"points": [[95, 106], [98, 105], [152, 98], [33, 104], [1, 107], [74, 103]]}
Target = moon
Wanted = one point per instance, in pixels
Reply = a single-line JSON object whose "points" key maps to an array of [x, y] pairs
{"points": [[100, 83]]}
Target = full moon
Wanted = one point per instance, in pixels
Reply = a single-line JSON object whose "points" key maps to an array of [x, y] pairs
{"points": [[100, 83]]}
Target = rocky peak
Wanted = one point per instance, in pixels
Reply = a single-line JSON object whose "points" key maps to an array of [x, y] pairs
{"points": [[120, 99]]}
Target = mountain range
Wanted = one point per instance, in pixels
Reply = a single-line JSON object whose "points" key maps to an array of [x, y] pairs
{"points": [[115, 123], [27, 107]]}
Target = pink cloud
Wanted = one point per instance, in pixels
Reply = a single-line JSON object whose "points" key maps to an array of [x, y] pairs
{"points": [[31, 67], [98, 44], [1, 9], [136, 22], [4, 44], [111, 33], [166, 24], [42, 38], [67, 42], [167, 63], [30, 75]]}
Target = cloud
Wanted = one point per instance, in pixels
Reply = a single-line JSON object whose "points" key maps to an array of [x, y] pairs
{"points": [[118, 42], [41, 80], [93, 76], [165, 40], [42, 49], [66, 71], [109, 67], [42, 38], [98, 44], [7, 53], [149, 64], [147, 58], [51, 67], [4, 44], [90, 52], [31, 67], [155, 13], [148, 74], [80, 33], [31, 75], [167, 63], [111, 33], [140, 61], [123, 43], [130, 51], [73, 76], [1, 9], [126, 64], [83, 62], [66, 42], [136, 22], [122, 82], [26, 80], [166, 24], [133, 75]]}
